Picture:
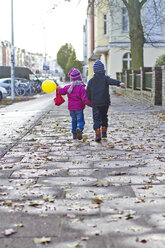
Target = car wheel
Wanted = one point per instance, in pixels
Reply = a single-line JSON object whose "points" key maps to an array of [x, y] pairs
{"points": [[1, 97]]}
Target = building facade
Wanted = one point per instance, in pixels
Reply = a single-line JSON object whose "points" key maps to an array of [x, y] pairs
{"points": [[33, 61], [108, 23]]}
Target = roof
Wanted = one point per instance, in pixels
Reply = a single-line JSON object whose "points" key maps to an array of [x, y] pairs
{"points": [[21, 72], [94, 57]]}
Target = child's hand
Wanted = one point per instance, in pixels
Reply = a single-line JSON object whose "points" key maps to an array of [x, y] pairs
{"points": [[122, 84]]}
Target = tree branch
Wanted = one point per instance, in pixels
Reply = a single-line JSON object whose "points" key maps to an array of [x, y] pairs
{"points": [[142, 2], [126, 3]]}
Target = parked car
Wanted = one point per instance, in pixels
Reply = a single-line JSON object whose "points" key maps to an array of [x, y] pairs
{"points": [[3, 93], [6, 83]]}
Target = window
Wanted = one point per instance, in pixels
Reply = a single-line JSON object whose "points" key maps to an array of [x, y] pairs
{"points": [[105, 23], [127, 61], [125, 20]]}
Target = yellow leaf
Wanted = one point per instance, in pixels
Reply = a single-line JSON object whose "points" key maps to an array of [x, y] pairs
{"points": [[20, 224], [97, 200], [8, 203]]}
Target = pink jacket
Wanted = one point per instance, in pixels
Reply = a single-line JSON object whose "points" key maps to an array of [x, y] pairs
{"points": [[77, 99]]}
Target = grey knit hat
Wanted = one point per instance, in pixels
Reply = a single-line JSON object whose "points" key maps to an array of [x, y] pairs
{"points": [[98, 67]]}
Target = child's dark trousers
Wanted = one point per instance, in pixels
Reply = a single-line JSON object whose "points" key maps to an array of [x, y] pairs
{"points": [[100, 116]]}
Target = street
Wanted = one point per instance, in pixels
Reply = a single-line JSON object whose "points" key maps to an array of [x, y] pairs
{"points": [[57, 192], [15, 119]]}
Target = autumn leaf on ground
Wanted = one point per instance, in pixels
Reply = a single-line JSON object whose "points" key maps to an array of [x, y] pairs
{"points": [[43, 240], [48, 159], [49, 199], [35, 203], [71, 216], [9, 232], [117, 173], [8, 203], [84, 238], [97, 200], [78, 245], [128, 217], [81, 218], [141, 240], [145, 187], [102, 183], [20, 224]]}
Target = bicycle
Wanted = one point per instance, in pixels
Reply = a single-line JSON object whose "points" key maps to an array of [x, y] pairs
{"points": [[20, 89]]}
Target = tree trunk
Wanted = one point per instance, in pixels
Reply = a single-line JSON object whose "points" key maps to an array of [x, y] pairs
{"points": [[136, 32]]}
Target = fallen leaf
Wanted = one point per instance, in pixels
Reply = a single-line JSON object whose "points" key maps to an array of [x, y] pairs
{"points": [[9, 232], [84, 238], [117, 173], [95, 206], [81, 218], [97, 200], [8, 203], [71, 216], [78, 245], [141, 240], [43, 240], [49, 199], [102, 183], [128, 217], [20, 224], [35, 204]]}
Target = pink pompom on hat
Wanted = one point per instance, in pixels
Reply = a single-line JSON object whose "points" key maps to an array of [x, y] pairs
{"points": [[70, 72], [75, 75]]}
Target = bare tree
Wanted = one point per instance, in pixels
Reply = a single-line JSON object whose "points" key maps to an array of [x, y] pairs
{"points": [[140, 31], [137, 32]]}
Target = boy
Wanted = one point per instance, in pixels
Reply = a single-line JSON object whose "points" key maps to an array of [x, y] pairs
{"points": [[98, 93]]}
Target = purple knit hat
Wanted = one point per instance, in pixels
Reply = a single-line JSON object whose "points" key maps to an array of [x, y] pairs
{"points": [[98, 67], [75, 75], [70, 72]]}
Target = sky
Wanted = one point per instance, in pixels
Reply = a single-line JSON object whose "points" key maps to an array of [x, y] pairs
{"points": [[39, 27]]}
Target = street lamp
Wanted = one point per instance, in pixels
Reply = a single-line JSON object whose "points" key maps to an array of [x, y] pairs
{"points": [[12, 54]]}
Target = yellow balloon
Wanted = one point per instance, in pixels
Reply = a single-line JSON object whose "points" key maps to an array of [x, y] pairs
{"points": [[49, 86]]}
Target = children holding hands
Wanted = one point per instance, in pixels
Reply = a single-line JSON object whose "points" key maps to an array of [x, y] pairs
{"points": [[96, 96]]}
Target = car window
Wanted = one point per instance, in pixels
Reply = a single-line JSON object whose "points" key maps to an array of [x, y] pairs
{"points": [[6, 81]]}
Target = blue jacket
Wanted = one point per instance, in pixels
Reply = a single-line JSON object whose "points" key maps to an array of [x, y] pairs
{"points": [[98, 89]]}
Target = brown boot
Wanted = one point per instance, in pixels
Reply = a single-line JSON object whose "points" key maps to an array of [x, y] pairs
{"points": [[79, 134], [74, 135], [98, 135], [104, 132]]}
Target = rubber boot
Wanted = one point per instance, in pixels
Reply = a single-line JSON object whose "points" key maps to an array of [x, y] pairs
{"points": [[98, 135], [79, 133], [74, 135], [104, 132]]}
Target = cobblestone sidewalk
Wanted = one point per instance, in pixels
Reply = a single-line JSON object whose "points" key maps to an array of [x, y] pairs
{"points": [[57, 192]]}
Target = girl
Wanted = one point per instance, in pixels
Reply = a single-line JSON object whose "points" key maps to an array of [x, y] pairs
{"points": [[77, 99]]}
